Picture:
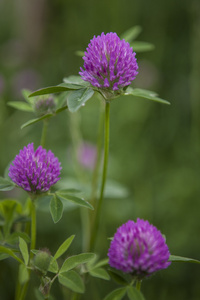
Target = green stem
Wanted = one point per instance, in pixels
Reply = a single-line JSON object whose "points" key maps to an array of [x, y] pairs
{"points": [[138, 284], [95, 228], [98, 158], [33, 227], [23, 289], [44, 132]]}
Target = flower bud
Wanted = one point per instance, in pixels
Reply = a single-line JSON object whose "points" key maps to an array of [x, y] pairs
{"points": [[42, 260]]}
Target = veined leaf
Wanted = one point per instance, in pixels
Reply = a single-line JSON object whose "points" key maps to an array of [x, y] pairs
{"points": [[144, 94], [71, 85], [72, 281], [49, 115], [75, 79], [33, 121], [99, 273], [53, 267], [6, 185], [24, 250], [174, 258], [74, 199], [134, 294], [101, 263], [10, 253], [76, 260], [20, 105], [50, 90], [77, 98], [117, 294], [63, 248], [56, 208]]}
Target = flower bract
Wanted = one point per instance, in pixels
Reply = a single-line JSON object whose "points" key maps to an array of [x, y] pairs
{"points": [[109, 63], [138, 248], [35, 171]]}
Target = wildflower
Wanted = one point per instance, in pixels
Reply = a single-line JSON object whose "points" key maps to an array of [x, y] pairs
{"points": [[35, 171], [44, 105], [138, 248], [109, 62]]}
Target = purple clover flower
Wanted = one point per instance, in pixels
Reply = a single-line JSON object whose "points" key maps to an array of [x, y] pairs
{"points": [[35, 171], [138, 248], [109, 62]]}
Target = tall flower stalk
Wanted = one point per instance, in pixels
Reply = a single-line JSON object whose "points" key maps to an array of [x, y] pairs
{"points": [[109, 66], [95, 226], [35, 171]]}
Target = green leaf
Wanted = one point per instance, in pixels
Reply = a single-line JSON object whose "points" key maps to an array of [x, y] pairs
{"points": [[21, 105], [14, 237], [8, 209], [6, 185], [49, 90], [36, 120], [116, 276], [101, 263], [63, 248], [68, 191], [77, 80], [76, 260], [131, 34], [59, 110], [142, 46], [78, 98], [53, 267], [56, 208], [23, 274], [24, 250], [33, 121], [134, 294], [3, 256], [99, 273], [117, 294], [145, 94], [71, 85], [80, 53], [174, 258], [72, 281], [74, 199], [26, 94], [10, 253]]}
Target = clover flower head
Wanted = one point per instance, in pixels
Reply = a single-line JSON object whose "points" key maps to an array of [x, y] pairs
{"points": [[138, 248], [44, 104], [109, 63], [35, 171]]}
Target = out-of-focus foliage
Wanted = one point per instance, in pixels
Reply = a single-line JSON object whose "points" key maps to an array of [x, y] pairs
{"points": [[154, 149]]}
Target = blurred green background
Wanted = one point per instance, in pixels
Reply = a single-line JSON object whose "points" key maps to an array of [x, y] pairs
{"points": [[154, 148]]}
